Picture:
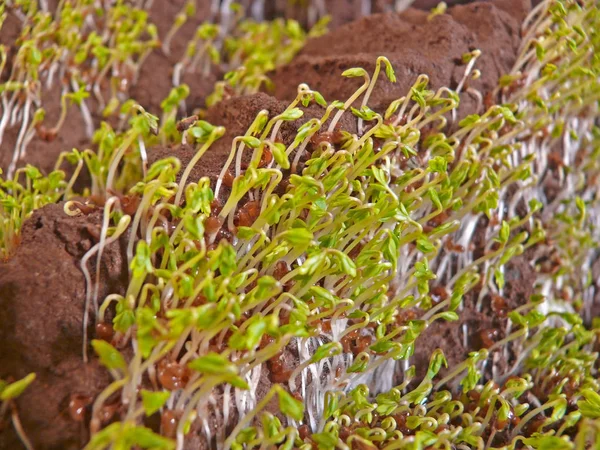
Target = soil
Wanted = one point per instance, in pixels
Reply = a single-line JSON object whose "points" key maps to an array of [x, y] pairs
{"points": [[414, 46], [345, 11], [42, 294]]}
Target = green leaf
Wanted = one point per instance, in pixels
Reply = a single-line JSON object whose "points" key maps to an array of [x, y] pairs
{"points": [[424, 246], [548, 443], [326, 351], [213, 364], [15, 389], [354, 72], [364, 113], [289, 405], [469, 121], [325, 440], [438, 164], [298, 236], [331, 404], [102, 439], [141, 262], [280, 155], [418, 97], [251, 141], [360, 363], [389, 70], [246, 233], [590, 406], [319, 99], [237, 382], [292, 114], [146, 438], [499, 277], [109, 356], [436, 362], [449, 316], [194, 225], [312, 263], [435, 198], [249, 337], [504, 232], [346, 264], [322, 293], [153, 401]]}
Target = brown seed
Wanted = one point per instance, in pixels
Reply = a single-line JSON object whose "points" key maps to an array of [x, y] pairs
{"points": [[439, 294], [130, 204], [488, 337], [107, 412], [228, 179], [265, 340], [247, 214], [265, 158], [440, 218], [242, 219], [85, 208], [168, 423], [326, 326], [104, 331], [172, 375], [499, 305], [279, 374], [361, 343], [212, 225], [77, 406], [303, 431], [186, 123], [281, 270], [331, 137], [215, 207]]}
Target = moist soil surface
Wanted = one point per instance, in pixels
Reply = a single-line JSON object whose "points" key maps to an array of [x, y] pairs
{"points": [[42, 298], [42, 288], [414, 45], [345, 11]]}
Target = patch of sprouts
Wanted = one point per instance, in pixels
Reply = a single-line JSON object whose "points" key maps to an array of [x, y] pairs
{"points": [[325, 264]]}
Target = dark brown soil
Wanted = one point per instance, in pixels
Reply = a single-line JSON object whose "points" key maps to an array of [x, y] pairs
{"points": [[414, 45], [345, 11], [42, 294]]}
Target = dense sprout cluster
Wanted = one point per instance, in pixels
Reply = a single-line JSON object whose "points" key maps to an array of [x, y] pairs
{"points": [[93, 58], [319, 263]]}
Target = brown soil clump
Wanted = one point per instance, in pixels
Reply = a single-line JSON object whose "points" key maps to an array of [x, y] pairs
{"points": [[42, 295], [345, 11], [414, 45]]}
